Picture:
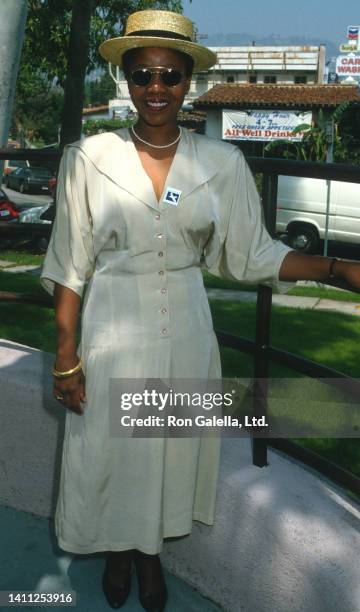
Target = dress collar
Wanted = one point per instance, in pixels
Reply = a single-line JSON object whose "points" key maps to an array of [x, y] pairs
{"points": [[196, 161]]}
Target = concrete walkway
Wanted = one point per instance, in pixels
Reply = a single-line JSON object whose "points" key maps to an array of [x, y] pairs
{"points": [[31, 561], [290, 301], [9, 266]]}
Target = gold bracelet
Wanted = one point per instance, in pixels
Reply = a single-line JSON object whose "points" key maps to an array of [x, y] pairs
{"points": [[66, 373]]}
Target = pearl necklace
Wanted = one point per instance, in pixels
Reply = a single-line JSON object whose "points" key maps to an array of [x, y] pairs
{"points": [[157, 146]]}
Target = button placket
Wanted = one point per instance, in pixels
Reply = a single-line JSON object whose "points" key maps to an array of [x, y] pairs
{"points": [[163, 310]]}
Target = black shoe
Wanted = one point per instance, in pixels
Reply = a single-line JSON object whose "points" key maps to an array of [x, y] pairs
{"points": [[117, 594], [152, 587]]}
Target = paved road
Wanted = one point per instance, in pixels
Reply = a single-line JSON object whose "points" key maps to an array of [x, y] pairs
{"points": [[30, 560]]}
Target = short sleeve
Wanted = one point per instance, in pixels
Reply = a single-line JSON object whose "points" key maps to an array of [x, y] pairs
{"points": [[241, 248], [69, 259]]}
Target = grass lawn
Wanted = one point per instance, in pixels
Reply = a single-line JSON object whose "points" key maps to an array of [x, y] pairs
{"points": [[325, 293], [329, 338], [21, 283], [31, 325], [212, 282], [22, 257]]}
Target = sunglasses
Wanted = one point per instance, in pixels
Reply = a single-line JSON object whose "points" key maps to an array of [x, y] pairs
{"points": [[141, 77]]}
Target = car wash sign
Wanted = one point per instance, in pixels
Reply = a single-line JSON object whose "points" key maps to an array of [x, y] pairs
{"points": [[264, 125], [348, 65]]}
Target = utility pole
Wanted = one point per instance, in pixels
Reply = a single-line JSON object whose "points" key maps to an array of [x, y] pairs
{"points": [[12, 28], [329, 132]]}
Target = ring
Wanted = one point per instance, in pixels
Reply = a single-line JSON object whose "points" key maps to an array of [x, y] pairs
{"points": [[59, 397]]}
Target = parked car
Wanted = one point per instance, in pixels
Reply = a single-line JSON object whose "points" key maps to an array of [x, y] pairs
{"points": [[38, 214], [301, 212], [12, 164], [52, 186], [29, 179], [34, 236], [8, 209]]}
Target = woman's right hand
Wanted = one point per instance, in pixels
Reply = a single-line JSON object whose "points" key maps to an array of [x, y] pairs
{"points": [[70, 391]]}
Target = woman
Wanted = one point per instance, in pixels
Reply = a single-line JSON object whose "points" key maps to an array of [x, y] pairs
{"points": [[138, 212]]}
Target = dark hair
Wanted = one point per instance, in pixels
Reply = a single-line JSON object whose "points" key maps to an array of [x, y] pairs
{"points": [[127, 59]]}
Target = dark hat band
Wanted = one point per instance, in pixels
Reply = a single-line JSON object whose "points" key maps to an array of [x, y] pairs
{"points": [[160, 34]]}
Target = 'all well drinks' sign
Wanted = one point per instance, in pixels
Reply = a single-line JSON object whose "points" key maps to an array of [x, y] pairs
{"points": [[264, 125]]}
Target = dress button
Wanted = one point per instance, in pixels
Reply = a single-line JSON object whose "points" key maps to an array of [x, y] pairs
{"points": [[163, 311], [163, 290], [161, 254], [157, 217], [161, 272], [164, 331]]}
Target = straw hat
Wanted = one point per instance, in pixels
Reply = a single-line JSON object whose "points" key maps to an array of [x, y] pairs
{"points": [[154, 28]]}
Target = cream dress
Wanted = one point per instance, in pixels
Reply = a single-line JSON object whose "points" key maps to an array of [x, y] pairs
{"points": [[146, 315]]}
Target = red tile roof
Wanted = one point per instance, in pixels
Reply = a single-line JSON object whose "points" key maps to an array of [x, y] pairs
{"points": [[196, 116], [256, 95], [93, 110]]}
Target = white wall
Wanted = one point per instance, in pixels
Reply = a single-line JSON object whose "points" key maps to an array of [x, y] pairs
{"points": [[214, 123]]}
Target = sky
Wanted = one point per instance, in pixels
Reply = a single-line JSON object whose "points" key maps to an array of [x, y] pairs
{"points": [[325, 19]]}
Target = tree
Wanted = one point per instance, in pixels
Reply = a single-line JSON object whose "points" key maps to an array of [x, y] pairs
{"points": [[313, 146], [53, 51], [75, 78], [98, 126], [100, 91], [37, 109], [48, 31]]}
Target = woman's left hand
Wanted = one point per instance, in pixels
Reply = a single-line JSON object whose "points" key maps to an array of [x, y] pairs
{"points": [[348, 271], [298, 266]]}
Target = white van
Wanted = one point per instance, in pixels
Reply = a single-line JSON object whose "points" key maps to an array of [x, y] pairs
{"points": [[301, 212]]}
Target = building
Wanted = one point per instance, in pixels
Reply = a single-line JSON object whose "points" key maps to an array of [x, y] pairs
{"points": [[251, 64], [253, 108], [247, 64]]}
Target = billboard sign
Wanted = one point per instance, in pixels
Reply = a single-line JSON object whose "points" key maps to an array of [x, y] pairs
{"points": [[353, 33], [348, 65], [347, 48], [263, 125]]}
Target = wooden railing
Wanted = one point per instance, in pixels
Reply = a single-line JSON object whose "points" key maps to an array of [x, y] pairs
{"points": [[261, 349]]}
